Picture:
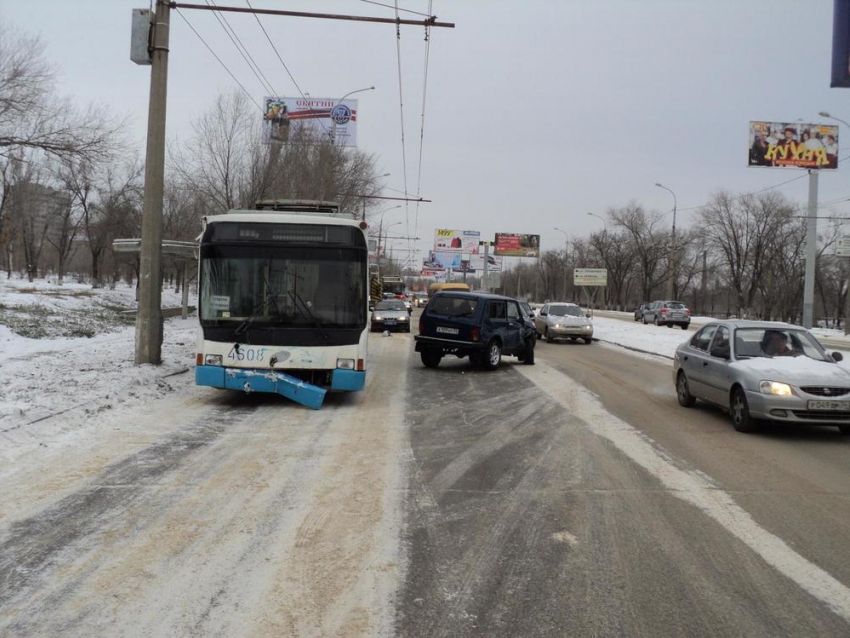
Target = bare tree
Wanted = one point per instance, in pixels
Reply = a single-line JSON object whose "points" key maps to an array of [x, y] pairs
{"points": [[29, 116], [648, 241]]}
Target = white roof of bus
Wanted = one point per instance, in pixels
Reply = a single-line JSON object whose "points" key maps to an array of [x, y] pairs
{"points": [[277, 217]]}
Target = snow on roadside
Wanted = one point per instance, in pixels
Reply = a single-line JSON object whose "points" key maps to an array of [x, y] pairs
{"points": [[649, 338], [72, 380]]}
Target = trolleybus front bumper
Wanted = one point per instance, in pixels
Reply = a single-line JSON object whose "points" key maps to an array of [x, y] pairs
{"points": [[277, 382]]}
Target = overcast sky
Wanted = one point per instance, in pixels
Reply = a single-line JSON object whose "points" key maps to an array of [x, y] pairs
{"points": [[538, 112]]}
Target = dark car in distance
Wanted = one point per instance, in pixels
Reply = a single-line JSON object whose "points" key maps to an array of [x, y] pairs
{"points": [[475, 325]]}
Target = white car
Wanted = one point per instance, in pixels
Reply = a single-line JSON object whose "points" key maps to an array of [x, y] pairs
{"points": [[563, 320]]}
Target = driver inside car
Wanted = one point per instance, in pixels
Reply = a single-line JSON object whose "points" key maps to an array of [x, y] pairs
{"points": [[775, 344]]}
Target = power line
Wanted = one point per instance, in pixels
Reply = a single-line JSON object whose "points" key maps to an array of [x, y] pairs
{"points": [[422, 126], [243, 51], [224, 66], [389, 6], [401, 112], [286, 68]]}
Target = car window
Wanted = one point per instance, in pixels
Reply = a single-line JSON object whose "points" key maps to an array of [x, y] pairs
{"points": [[675, 305], [776, 342], [702, 339], [513, 311], [390, 305], [721, 340], [562, 310], [497, 310], [545, 309], [452, 306]]}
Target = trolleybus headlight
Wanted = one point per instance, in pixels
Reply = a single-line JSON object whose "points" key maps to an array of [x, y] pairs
{"points": [[213, 360], [345, 364]]}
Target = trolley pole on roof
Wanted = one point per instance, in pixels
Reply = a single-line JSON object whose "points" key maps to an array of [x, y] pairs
{"points": [[149, 317]]}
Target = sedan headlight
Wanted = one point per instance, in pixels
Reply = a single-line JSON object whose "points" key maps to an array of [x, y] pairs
{"points": [[772, 387], [403, 318], [377, 318]]}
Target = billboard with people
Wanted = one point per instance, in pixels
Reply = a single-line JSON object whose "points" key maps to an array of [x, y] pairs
{"points": [[793, 145], [462, 241], [321, 118], [513, 245]]}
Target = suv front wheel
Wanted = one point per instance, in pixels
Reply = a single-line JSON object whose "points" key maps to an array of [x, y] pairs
{"points": [[493, 355]]}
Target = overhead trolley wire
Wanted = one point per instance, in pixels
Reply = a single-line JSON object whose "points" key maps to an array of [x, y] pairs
{"points": [[389, 6], [401, 111], [422, 125], [243, 50], [223, 65], [279, 57]]}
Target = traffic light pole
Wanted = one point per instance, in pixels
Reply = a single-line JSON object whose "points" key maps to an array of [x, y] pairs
{"points": [[149, 316]]}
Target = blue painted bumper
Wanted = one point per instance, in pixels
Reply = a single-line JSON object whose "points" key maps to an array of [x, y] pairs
{"points": [[262, 381], [350, 380]]}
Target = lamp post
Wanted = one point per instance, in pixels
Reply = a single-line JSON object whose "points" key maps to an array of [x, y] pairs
{"points": [[338, 102], [671, 275], [604, 223], [566, 251], [814, 221], [381, 225]]}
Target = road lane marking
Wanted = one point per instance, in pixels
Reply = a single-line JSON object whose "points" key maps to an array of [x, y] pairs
{"points": [[691, 486]]}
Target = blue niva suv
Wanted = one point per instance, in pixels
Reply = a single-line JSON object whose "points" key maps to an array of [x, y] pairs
{"points": [[482, 327]]}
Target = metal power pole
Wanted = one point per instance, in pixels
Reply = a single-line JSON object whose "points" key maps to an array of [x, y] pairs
{"points": [[486, 281], [671, 261], [149, 316], [811, 252]]}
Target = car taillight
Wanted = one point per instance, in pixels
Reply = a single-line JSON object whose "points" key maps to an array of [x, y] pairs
{"points": [[687, 311], [664, 310], [473, 334]]}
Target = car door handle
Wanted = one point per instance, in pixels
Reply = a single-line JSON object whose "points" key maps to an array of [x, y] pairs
{"points": [[686, 357], [704, 364]]}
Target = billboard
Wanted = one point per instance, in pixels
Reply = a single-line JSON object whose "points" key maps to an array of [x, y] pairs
{"points": [[842, 247], [476, 262], [465, 241], [590, 277], [441, 260], [511, 245], [326, 118], [793, 145]]}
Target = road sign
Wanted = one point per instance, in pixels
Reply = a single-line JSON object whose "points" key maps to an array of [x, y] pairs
{"points": [[842, 247], [590, 277]]}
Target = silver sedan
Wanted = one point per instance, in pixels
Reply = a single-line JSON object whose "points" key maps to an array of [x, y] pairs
{"points": [[558, 320], [763, 371]]}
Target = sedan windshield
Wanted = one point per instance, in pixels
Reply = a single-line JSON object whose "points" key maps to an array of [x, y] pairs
{"points": [[390, 305], [286, 288], [776, 342], [565, 311]]}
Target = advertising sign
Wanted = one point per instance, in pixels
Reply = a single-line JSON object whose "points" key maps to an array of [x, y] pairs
{"points": [[466, 241], [511, 245], [325, 118], [590, 277], [477, 263], [793, 145], [442, 260], [842, 247]]}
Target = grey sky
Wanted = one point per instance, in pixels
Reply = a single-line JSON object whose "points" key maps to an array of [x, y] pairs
{"points": [[538, 111]]}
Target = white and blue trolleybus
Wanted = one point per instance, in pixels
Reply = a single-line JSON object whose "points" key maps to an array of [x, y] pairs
{"points": [[284, 300]]}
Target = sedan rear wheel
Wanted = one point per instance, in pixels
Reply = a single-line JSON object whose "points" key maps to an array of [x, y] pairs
{"points": [[643, 317], [739, 410], [683, 392]]}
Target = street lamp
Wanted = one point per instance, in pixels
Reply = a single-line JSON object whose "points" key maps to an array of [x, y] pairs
{"points": [[338, 102], [566, 267], [604, 223], [671, 278], [832, 117]]}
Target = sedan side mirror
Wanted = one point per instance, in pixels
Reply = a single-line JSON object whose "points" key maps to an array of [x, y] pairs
{"points": [[544, 314], [837, 356]]}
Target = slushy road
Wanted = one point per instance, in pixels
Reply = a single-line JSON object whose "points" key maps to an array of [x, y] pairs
{"points": [[572, 497]]}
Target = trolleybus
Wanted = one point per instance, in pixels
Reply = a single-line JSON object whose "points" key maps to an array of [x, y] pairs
{"points": [[284, 298]]}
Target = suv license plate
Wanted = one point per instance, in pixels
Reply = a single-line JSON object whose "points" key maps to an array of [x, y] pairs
{"points": [[447, 331], [829, 405]]}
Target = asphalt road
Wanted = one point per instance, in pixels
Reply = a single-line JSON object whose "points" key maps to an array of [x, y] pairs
{"points": [[573, 497]]}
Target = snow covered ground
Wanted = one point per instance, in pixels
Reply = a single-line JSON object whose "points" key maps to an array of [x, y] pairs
{"points": [[650, 339], [67, 356]]}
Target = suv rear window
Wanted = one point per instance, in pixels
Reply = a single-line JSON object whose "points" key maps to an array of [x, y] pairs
{"points": [[675, 305], [453, 306]]}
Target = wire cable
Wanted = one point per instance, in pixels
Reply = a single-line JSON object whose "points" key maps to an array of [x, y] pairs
{"points": [[286, 68], [422, 125], [401, 112], [243, 50], [389, 6], [223, 65]]}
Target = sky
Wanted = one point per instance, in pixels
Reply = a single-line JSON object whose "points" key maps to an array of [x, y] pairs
{"points": [[537, 112]]}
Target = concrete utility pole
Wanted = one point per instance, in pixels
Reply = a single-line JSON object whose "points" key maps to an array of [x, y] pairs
{"points": [[566, 266], [811, 252], [149, 317]]}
